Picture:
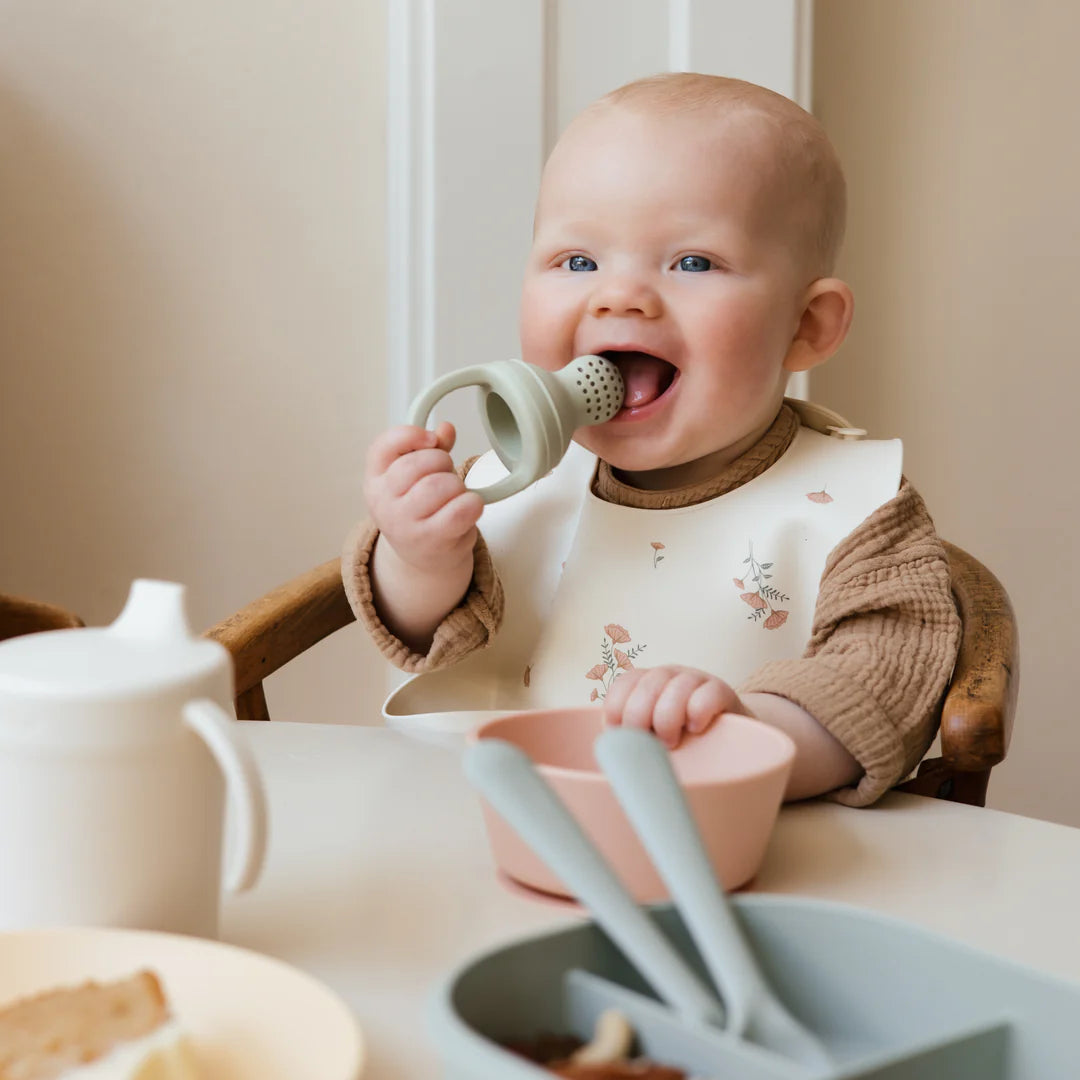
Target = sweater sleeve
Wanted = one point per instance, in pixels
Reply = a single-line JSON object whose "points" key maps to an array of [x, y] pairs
{"points": [[470, 626], [885, 637]]}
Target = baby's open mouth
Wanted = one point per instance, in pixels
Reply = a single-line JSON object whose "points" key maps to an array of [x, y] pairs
{"points": [[646, 376]]}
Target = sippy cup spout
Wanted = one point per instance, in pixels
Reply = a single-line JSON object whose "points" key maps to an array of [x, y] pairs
{"points": [[530, 414], [154, 609]]}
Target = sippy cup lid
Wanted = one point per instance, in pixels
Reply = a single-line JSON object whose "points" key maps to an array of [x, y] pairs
{"points": [[149, 647]]}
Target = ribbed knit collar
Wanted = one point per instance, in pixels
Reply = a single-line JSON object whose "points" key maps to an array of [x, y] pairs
{"points": [[765, 452]]}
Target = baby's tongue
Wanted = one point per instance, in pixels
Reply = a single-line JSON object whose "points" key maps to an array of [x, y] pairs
{"points": [[644, 376]]}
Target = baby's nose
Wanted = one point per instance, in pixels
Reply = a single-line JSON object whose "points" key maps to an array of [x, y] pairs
{"points": [[625, 295]]}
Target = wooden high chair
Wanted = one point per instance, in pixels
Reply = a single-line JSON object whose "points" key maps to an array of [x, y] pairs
{"points": [[980, 703], [279, 626], [19, 616], [976, 715]]}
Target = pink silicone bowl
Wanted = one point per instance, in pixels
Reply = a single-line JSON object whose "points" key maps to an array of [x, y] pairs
{"points": [[734, 778]]}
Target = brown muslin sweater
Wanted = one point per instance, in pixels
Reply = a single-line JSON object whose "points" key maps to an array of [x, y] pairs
{"points": [[885, 630]]}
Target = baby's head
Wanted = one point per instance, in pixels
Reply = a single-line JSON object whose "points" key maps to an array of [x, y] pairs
{"points": [[687, 226]]}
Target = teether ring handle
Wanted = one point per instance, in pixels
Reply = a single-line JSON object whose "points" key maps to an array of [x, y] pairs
{"points": [[420, 409], [525, 470]]}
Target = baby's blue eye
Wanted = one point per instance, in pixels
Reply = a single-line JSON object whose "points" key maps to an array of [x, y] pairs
{"points": [[696, 264], [580, 262]]}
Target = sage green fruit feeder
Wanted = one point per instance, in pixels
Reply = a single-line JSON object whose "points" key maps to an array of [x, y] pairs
{"points": [[530, 414]]}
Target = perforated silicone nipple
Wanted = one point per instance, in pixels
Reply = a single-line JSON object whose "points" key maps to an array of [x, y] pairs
{"points": [[530, 414], [594, 385]]}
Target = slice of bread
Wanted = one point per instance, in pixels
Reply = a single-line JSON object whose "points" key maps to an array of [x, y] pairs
{"points": [[43, 1037]]}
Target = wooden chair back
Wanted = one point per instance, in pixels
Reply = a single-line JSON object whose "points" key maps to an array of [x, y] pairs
{"points": [[19, 616], [980, 704], [268, 633]]}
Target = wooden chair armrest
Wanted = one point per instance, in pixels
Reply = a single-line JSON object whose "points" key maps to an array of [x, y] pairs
{"points": [[19, 616], [937, 779], [279, 626], [977, 715]]}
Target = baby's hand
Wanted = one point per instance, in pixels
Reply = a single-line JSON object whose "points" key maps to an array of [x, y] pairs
{"points": [[668, 701], [421, 506]]}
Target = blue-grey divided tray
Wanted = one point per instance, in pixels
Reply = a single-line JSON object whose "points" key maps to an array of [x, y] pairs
{"points": [[889, 1000]]}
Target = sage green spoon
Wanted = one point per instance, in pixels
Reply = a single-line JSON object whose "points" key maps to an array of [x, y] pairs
{"points": [[640, 771]]}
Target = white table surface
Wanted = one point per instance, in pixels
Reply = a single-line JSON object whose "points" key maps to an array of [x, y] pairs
{"points": [[379, 879]]}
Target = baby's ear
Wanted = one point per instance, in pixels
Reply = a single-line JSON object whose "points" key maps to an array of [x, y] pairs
{"points": [[828, 307]]}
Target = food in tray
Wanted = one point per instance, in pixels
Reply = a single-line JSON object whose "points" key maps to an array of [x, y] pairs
{"points": [[605, 1057], [120, 1030], [631, 1069]]}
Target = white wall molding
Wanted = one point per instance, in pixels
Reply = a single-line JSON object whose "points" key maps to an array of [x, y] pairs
{"points": [[409, 200], [478, 91]]}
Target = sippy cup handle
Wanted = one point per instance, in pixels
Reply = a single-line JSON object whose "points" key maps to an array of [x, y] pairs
{"points": [[530, 414], [245, 790]]}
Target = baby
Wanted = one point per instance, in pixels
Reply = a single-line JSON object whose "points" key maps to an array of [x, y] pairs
{"points": [[687, 228]]}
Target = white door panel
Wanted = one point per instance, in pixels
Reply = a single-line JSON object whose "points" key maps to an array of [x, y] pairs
{"points": [[602, 44]]}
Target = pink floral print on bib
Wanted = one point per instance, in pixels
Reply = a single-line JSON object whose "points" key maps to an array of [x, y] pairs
{"points": [[764, 598], [615, 660]]}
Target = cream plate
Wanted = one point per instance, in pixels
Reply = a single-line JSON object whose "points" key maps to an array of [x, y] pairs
{"points": [[249, 1016]]}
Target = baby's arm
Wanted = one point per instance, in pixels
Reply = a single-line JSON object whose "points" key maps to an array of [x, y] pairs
{"points": [[422, 563], [822, 763], [885, 636], [672, 700]]}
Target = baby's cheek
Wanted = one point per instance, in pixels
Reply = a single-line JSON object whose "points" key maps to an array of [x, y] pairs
{"points": [[531, 324], [749, 354], [741, 329], [546, 327]]}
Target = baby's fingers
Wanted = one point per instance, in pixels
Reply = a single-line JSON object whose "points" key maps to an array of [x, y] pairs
{"points": [[429, 494], [617, 695], [445, 436], [670, 714], [458, 516], [639, 703], [410, 471], [394, 444], [708, 702]]}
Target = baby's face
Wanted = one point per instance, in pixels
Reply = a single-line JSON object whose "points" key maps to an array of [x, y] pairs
{"points": [[658, 245]]}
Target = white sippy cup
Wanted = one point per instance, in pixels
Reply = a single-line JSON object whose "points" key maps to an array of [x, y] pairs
{"points": [[118, 747], [529, 413]]}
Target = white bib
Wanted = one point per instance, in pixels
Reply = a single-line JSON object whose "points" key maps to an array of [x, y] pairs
{"points": [[593, 588]]}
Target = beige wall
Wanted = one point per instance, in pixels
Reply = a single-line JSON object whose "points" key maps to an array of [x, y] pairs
{"points": [[191, 302], [956, 123]]}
